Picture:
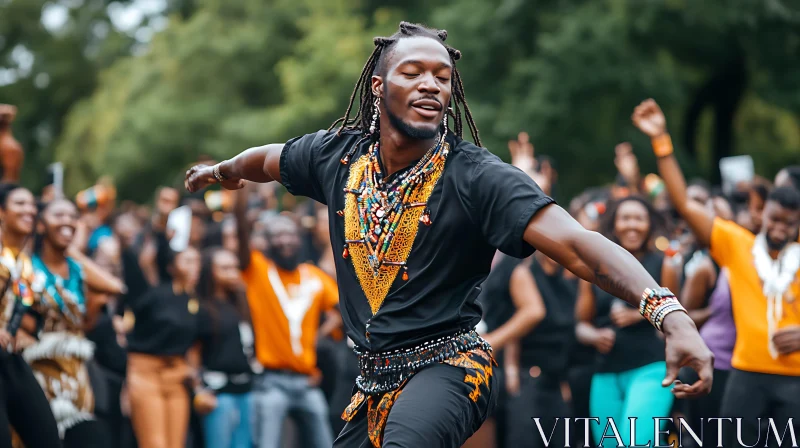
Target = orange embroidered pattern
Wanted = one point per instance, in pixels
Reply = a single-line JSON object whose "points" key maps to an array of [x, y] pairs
{"points": [[376, 287], [478, 365]]}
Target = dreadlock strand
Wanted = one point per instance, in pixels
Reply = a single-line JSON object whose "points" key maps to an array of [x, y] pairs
{"points": [[368, 67], [461, 96]]}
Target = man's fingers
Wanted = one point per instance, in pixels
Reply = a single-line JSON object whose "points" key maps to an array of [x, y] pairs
{"points": [[672, 374]]}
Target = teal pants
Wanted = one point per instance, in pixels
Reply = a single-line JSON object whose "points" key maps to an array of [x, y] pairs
{"points": [[633, 393]]}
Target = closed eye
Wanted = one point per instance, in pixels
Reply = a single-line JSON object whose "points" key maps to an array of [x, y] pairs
{"points": [[411, 75]]}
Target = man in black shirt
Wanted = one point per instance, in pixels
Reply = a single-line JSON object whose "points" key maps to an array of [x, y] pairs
{"points": [[417, 214]]}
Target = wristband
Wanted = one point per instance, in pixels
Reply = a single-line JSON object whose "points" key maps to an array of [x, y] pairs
{"points": [[662, 145]]}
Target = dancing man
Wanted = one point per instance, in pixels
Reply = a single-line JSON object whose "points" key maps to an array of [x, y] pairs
{"points": [[417, 213]]}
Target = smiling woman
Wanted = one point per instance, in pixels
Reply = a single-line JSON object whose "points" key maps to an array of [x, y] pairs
{"points": [[32, 421], [59, 356], [630, 360]]}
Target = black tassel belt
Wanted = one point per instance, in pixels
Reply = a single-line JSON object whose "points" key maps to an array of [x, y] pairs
{"points": [[385, 371]]}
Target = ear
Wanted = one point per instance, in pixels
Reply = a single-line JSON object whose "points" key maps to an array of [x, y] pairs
{"points": [[377, 86]]}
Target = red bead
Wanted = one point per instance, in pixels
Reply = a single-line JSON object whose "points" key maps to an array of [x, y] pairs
{"points": [[426, 220], [345, 253], [405, 276], [340, 213]]}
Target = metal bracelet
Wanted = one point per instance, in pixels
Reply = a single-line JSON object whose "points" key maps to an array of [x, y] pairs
{"points": [[218, 174]]}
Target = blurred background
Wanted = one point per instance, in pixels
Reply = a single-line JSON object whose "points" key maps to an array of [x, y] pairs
{"points": [[136, 90]]}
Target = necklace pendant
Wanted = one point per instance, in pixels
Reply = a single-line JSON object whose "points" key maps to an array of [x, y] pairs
{"points": [[380, 213]]}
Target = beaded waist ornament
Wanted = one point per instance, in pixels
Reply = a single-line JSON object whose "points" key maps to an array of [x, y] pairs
{"points": [[385, 371]]}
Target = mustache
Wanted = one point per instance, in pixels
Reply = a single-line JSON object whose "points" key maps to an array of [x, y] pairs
{"points": [[426, 97]]}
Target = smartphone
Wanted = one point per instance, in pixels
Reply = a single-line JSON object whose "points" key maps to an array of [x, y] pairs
{"points": [[180, 222], [57, 171], [735, 170]]}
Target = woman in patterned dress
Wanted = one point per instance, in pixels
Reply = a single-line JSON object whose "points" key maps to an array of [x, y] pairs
{"points": [[24, 411], [62, 307]]}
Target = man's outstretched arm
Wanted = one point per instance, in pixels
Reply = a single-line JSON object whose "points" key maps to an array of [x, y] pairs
{"points": [[594, 258], [260, 164]]}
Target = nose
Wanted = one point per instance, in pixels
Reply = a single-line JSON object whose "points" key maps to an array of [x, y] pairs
{"points": [[428, 84]]}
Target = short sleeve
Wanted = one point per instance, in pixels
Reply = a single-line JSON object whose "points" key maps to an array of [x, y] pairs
{"points": [[504, 199], [726, 237], [300, 167]]}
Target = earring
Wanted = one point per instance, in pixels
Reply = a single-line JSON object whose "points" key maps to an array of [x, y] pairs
{"points": [[375, 116], [444, 119]]}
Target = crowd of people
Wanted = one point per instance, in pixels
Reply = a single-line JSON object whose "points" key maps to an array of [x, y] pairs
{"points": [[211, 318]]}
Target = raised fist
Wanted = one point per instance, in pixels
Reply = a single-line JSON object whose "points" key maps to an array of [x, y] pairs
{"points": [[648, 117]]}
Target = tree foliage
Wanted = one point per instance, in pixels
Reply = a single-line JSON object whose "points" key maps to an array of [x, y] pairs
{"points": [[225, 75]]}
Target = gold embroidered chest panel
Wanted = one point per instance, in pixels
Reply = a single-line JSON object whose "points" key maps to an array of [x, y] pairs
{"points": [[376, 285]]}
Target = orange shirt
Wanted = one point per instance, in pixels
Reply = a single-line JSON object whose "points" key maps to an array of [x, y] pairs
{"points": [[285, 307], [731, 247]]}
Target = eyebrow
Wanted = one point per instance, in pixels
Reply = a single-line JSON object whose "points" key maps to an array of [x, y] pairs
{"points": [[440, 66]]}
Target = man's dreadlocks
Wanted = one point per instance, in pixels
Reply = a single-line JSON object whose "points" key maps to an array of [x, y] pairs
{"points": [[383, 46]]}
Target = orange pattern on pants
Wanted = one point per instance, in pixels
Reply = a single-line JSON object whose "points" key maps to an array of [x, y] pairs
{"points": [[477, 363], [159, 400]]}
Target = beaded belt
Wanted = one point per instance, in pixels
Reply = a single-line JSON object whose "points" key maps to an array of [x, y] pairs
{"points": [[385, 371]]}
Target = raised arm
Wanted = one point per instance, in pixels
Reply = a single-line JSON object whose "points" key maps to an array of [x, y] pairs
{"points": [[596, 259], [260, 164], [649, 118]]}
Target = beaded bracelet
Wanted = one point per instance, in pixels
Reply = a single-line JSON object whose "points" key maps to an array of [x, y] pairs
{"points": [[657, 304]]}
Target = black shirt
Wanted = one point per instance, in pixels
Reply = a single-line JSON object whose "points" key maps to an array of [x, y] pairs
{"points": [[549, 344], [108, 353], [478, 205], [636, 345], [166, 324], [495, 297], [224, 345]]}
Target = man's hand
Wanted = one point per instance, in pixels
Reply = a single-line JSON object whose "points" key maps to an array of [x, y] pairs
{"points": [[625, 316], [201, 176], [787, 340], [604, 340], [649, 118], [685, 347]]}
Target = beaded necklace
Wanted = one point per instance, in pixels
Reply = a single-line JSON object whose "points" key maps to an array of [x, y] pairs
{"points": [[381, 205]]}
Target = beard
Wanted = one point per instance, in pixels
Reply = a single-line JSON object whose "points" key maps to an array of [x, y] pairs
{"points": [[404, 128], [286, 263], [775, 245]]}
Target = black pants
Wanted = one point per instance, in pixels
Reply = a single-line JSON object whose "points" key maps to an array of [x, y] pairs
{"points": [[699, 410], [433, 410], [752, 396], [580, 385], [92, 434], [539, 397], [24, 406]]}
